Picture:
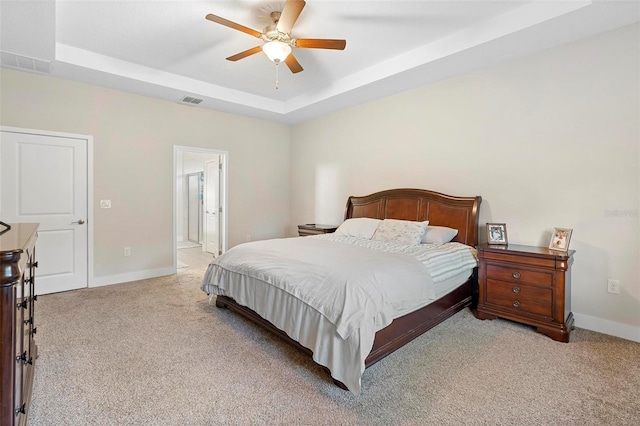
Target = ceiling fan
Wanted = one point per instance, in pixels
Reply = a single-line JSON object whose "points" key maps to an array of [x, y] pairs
{"points": [[277, 37]]}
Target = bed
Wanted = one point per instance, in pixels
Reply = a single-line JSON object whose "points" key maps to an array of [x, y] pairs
{"points": [[346, 350]]}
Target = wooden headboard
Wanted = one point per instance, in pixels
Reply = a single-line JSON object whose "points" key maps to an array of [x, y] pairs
{"points": [[460, 213]]}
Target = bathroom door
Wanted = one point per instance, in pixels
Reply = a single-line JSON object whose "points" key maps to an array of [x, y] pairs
{"points": [[194, 207], [212, 204]]}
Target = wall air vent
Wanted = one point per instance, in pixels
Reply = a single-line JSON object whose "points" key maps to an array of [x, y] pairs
{"points": [[191, 100], [22, 62]]}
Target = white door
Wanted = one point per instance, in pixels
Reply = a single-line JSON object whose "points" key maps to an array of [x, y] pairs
{"points": [[43, 179], [194, 207], [212, 206]]}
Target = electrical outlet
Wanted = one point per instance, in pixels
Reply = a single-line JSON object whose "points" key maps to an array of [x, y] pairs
{"points": [[127, 251], [613, 286]]}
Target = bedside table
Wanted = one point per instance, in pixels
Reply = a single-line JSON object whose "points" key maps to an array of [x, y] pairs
{"points": [[315, 229], [527, 284]]}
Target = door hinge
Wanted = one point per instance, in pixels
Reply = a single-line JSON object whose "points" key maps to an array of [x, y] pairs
{"points": [[220, 210]]}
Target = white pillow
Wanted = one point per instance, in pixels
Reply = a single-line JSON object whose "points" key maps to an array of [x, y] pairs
{"points": [[405, 232], [361, 227], [439, 235]]}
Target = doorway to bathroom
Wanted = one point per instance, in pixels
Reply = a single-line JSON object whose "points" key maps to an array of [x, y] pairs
{"points": [[200, 199]]}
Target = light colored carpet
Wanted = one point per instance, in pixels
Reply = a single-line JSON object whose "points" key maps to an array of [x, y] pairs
{"points": [[155, 352]]}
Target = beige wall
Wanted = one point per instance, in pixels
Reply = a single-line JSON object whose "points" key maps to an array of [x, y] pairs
{"points": [[550, 140], [133, 163]]}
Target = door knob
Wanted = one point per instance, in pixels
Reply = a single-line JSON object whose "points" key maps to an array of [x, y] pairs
{"points": [[79, 222]]}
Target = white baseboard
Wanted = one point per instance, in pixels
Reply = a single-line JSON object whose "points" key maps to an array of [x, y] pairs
{"points": [[131, 276], [624, 331]]}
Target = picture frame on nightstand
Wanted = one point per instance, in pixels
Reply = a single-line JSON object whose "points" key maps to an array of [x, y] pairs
{"points": [[560, 239], [497, 234]]}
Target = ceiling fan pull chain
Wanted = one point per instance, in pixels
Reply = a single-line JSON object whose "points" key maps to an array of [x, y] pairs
{"points": [[277, 82]]}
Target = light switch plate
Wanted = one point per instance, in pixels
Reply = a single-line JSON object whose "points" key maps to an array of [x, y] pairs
{"points": [[105, 204]]}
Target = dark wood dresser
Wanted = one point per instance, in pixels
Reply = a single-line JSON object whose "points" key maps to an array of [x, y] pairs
{"points": [[528, 284], [315, 229], [17, 347]]}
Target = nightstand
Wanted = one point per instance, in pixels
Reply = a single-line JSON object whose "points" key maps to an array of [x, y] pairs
{"points": [[315, 229], [527, 284]]}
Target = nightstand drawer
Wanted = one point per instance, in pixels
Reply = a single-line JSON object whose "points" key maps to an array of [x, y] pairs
{"points": [[515, 274], [519, 297], [308, 232], [313, 229]]}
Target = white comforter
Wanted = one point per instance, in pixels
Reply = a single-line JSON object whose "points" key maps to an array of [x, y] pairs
{"points": [[340, 290]]}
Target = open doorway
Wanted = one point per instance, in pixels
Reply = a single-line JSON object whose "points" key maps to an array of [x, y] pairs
{"points": [[200, 199]]}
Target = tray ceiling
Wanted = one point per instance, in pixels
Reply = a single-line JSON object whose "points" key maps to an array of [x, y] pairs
{"points": [[168, 50]]}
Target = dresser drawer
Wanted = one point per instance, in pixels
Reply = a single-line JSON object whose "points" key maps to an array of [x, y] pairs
{"points": [[519, 297], [515, 274]]}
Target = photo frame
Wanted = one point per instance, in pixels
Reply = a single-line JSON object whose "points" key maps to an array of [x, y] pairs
{"points": [[497, 233], [560, 239]]}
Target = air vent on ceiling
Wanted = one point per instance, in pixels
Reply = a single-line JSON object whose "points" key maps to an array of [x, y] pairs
{"points": [[191, 100], [22, 62]]}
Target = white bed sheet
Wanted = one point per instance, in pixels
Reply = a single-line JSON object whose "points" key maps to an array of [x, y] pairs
{"points": [[343, 355]]}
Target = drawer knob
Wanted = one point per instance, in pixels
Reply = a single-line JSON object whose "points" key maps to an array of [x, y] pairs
{"points": [[22, 409], [516, 289], [516, 275], [516, 304]]}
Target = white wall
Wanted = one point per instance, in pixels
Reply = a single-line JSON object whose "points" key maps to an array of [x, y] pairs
{"points": [[133, 164], [549, 140]]}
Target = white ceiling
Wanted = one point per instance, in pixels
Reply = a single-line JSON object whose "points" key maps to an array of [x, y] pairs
{"points": [[167, 49]]}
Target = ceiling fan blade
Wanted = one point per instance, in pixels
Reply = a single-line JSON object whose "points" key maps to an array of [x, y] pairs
{"points": [[218, 20], [245, 53], [320, 43], [293, 63], [289, 16]]}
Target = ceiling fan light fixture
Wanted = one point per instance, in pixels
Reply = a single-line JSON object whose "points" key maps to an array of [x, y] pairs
{"points": [[276, 51]]}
